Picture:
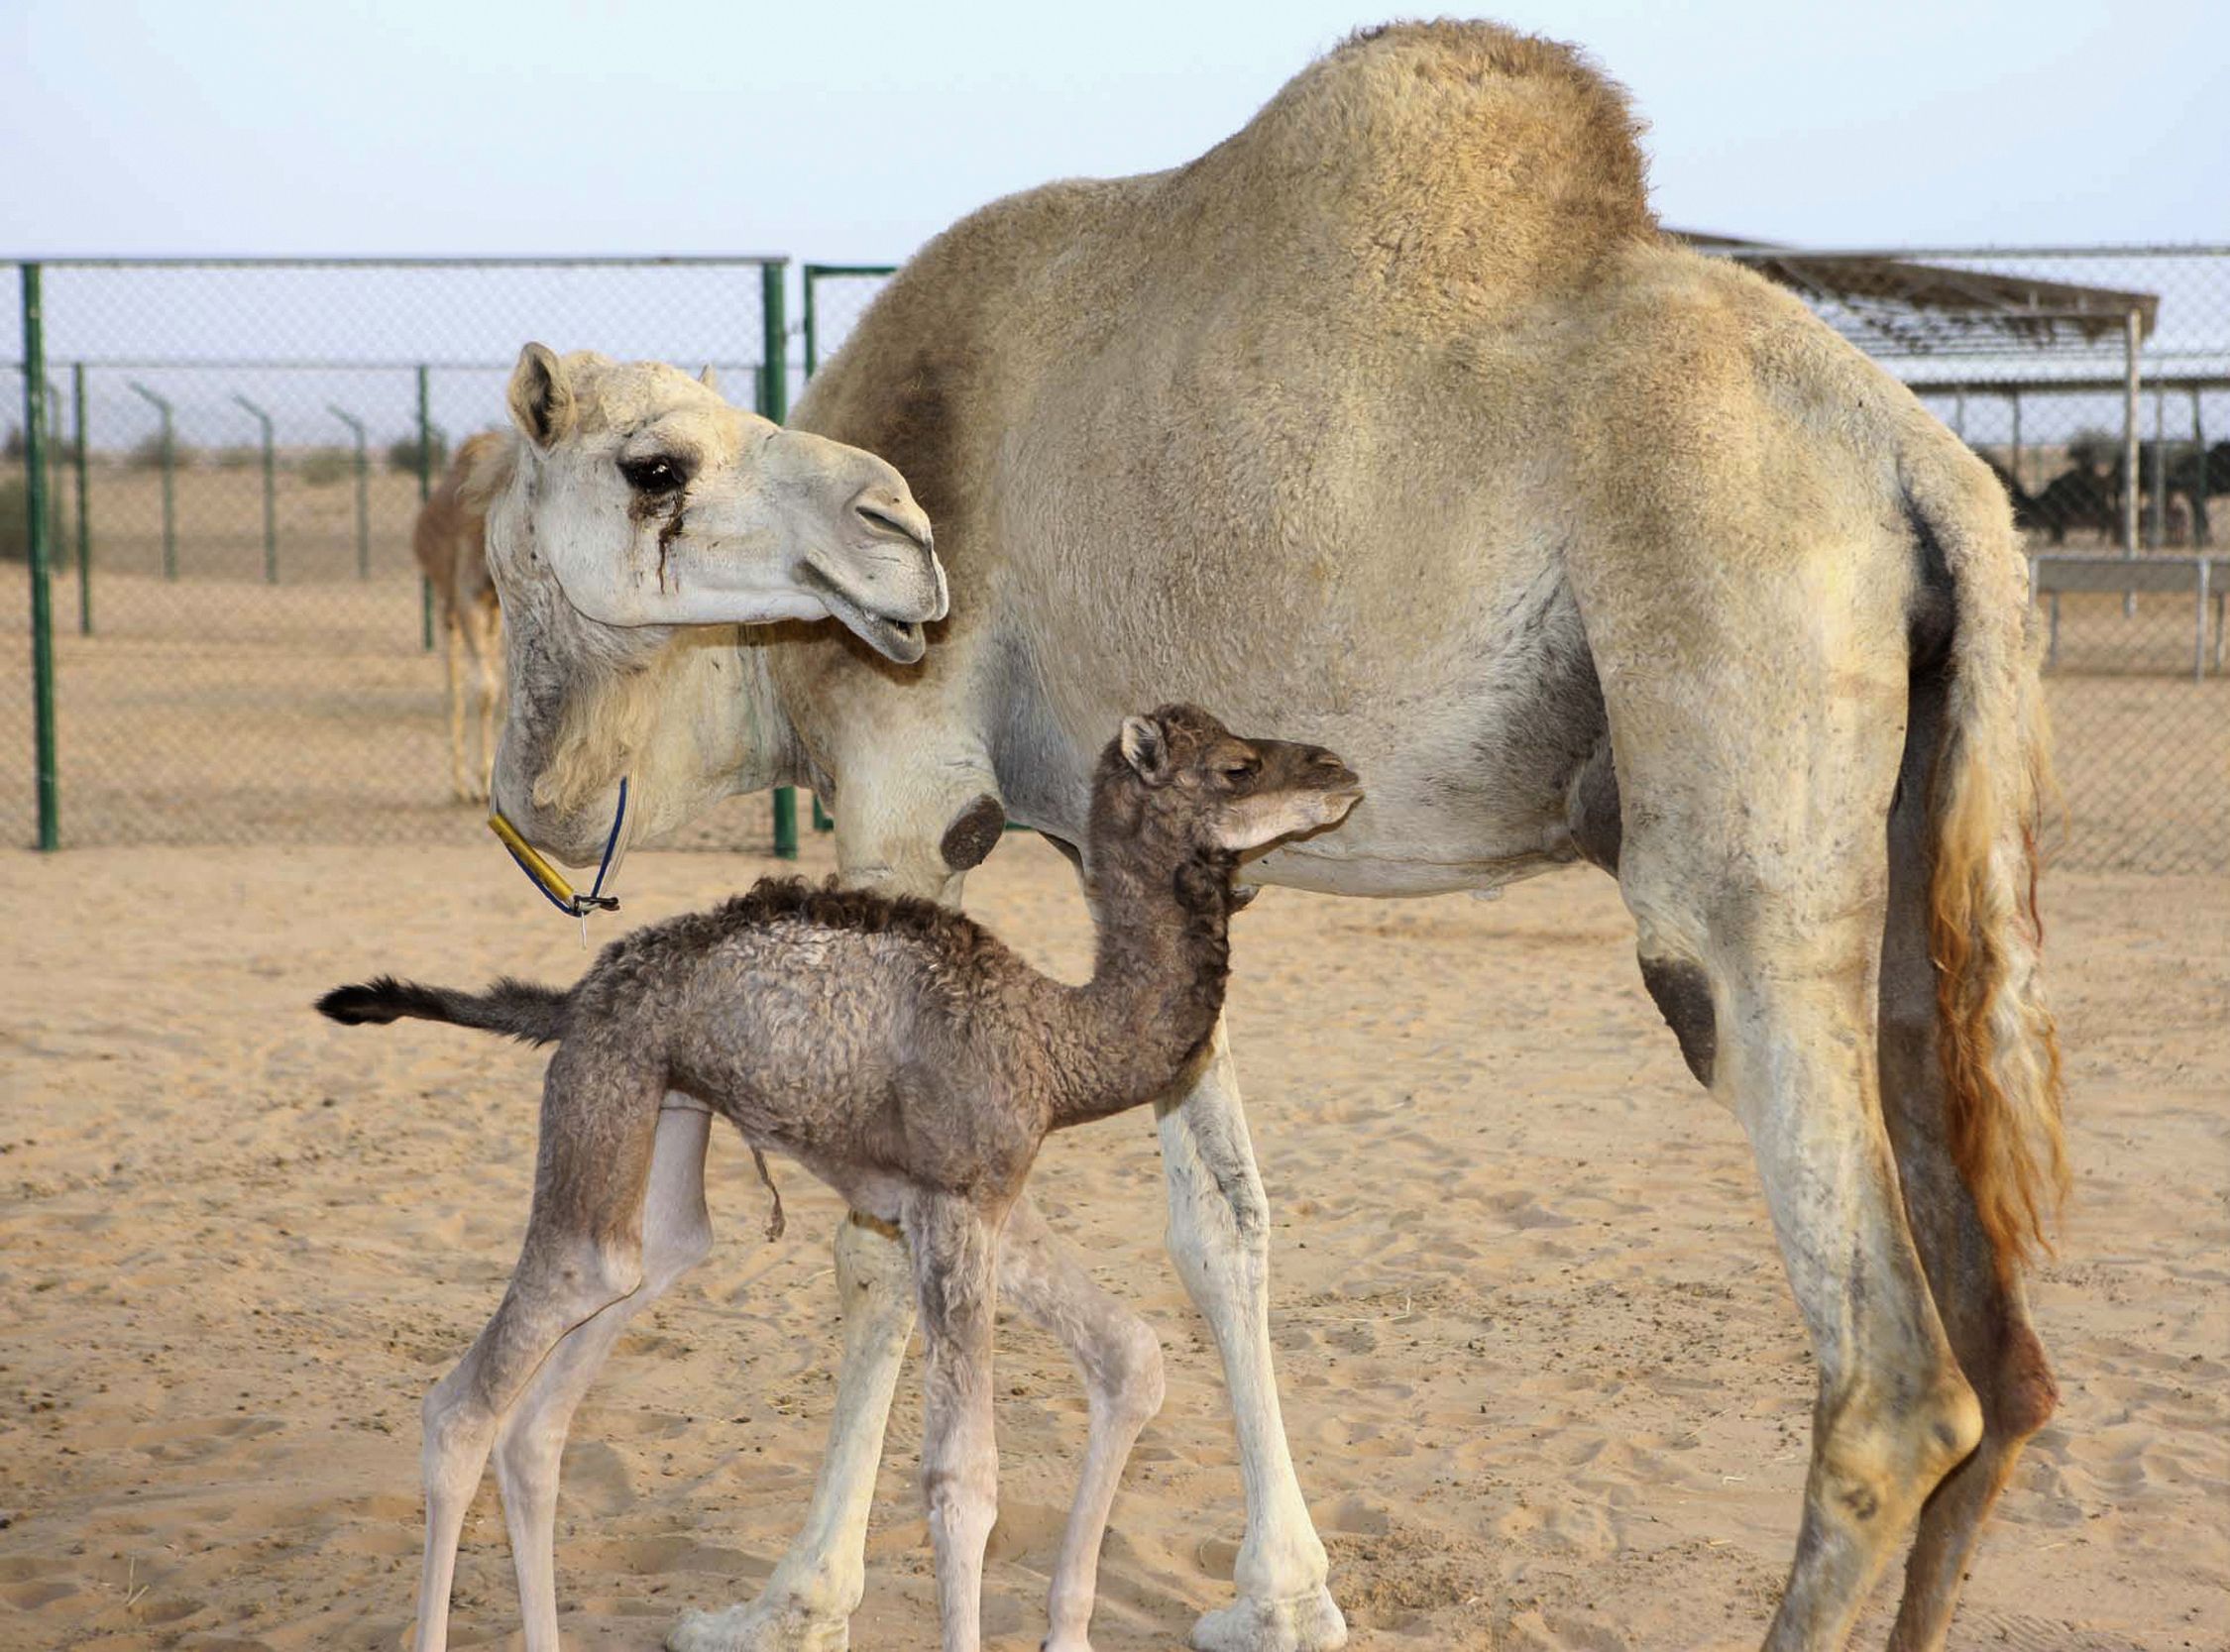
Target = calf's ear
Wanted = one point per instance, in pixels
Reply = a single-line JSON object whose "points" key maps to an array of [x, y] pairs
{"points": [[1146, 748]]}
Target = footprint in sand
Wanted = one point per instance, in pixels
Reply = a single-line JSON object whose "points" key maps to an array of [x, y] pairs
{"points": [[651, 1556], [1027, 1531], [30, 1597], [193, 1439], [593, 1478]]}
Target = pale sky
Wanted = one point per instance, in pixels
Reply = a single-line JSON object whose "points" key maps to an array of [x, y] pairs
{"points": [[848, 131]]}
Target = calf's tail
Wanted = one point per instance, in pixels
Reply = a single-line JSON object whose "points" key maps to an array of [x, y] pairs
{"points": [[521, 1010]]}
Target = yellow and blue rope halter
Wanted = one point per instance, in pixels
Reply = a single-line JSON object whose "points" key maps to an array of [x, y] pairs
{"points": [[549, 880]]}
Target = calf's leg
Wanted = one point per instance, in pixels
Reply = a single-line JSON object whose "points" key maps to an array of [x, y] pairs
{"points": [[676, 1236]]}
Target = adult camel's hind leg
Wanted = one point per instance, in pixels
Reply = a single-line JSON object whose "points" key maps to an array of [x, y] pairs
{"points": [[676, 1236], [1756, 734], [807, 1604], [1985, 1315], [583, 1253], [1120, 1360]]}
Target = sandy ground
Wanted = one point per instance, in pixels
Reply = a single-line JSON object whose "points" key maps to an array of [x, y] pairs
{"points": [[1543, 1379]]}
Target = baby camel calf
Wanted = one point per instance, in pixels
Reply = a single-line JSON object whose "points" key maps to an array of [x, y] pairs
{"points": [[903, 1055]]}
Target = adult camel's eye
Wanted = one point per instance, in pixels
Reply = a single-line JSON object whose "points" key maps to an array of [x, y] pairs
{"points": [[657, 474]]}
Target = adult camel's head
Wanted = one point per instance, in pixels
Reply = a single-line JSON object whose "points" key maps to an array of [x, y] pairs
{"points": [[649, 500], [634, 520]]}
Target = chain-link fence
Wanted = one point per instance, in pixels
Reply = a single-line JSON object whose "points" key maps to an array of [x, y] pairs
{"points": [[236, 450], [235, 454]]}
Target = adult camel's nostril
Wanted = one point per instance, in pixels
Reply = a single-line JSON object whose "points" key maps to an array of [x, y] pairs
{"points": [[891, 514]]}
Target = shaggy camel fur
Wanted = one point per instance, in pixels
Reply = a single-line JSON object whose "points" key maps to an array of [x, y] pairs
{"points": [[914, 1063], [1395, 423], [450, 540]]}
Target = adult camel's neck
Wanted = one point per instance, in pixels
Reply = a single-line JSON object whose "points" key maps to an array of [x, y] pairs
{"points": [[1164, 912], [688, 722]]}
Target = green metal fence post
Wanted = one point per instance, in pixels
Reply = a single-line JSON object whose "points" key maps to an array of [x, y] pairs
{"points": [[363, 494], [808, 277], [425, 491], [774, 402], [270, 494], [85, 514], [34, 512], [170, 474]]}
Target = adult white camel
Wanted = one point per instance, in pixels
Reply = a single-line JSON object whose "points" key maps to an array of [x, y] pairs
{"points": [[1395, 424]]}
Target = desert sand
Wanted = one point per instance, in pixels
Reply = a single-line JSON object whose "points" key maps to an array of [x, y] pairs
{"points": [[1542, 1375]]}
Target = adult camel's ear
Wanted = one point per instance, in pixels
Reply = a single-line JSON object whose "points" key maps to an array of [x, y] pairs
{"points": [[709, 380], [1146, 748], [541, 397]]}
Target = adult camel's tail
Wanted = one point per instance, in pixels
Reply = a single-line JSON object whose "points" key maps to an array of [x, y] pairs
{"points": [[1996, 1038]]}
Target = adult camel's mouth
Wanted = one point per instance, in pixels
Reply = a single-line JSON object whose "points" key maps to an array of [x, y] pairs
{"points": [[900, 642]]}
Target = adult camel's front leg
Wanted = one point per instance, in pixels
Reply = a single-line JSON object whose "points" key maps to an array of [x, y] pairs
{"points": [[1219, 1238], [882, 843], [807, 1604]]}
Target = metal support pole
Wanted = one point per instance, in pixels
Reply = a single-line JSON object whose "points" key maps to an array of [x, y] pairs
{"points": [[2131, 336], [2130, 341], [774, 356], [1959, 412], [774, 403], [270, 494], [425, 491], [84, 519], [2159, 465], [170, 474], [809, 279], [363, 492], [2199, 635], [2014, 468], [2202, 535], [41, 597]]}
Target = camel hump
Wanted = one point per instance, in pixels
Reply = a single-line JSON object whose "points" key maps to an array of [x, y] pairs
{"points": [[1461, 152]]}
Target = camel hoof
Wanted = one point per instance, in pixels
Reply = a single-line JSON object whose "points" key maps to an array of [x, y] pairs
{"points": [[1298, 1623], [757, 1628]]}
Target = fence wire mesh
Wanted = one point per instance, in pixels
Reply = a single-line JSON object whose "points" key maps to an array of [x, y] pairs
{"points": [[236, 457], [255, 665]]}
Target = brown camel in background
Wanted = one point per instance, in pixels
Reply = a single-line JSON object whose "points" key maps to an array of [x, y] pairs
{"points": [[450, 540]]}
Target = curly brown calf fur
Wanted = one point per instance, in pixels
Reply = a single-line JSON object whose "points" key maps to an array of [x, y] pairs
{"points": [[905, 1056]]}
